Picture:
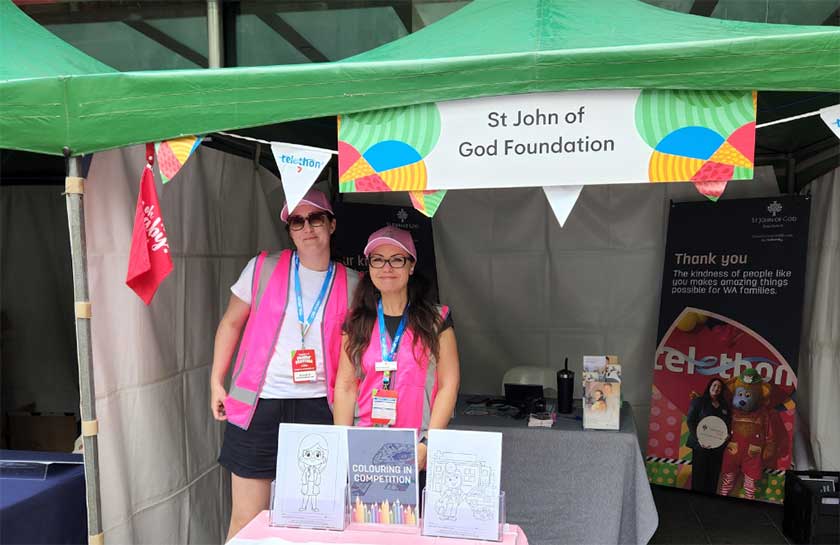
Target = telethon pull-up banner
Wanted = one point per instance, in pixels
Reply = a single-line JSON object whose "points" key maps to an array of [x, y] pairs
{"points": [[723, 403], [550, 139]]}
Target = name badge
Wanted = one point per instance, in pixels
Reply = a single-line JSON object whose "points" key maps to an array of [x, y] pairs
{"points": [[303, 366], [384, 407], [386, 365]]}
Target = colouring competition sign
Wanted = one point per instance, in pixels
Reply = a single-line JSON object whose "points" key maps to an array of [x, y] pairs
{"points": [[550, 139], [383, 476]]}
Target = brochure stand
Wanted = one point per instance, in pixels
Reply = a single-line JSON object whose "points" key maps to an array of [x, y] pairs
{"points": [[271, 521], [325, 522], [460, 529]]}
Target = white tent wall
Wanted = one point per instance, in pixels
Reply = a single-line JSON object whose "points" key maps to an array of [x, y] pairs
{"points": [[37, 335], [819, 361], [158, 443]]}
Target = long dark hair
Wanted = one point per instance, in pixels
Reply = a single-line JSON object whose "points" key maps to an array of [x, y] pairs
{"points": [[707, 395], [424, 320]]}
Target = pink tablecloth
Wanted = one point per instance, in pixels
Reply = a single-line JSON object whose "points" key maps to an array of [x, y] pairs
{"points": [[258, 531]]}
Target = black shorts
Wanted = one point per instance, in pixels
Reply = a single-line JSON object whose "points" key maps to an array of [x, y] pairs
{"points": [[252, 453]]}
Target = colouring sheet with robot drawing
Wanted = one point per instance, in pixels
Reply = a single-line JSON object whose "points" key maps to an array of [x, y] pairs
{"points": [[463, 484]]}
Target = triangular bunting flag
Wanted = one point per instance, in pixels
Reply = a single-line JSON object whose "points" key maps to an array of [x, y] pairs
{"points": [[299, 167], [173, 154], [149, 260], [562, 199], [831, 117], [712, 189], [427, 202]]}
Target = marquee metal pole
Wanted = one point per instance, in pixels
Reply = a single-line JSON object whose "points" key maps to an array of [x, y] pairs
{"points": [[215, 48], [74, 186]]}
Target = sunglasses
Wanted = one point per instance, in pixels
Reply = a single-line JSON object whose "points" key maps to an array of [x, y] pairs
{"points": [[395, 261], [315, 219]]}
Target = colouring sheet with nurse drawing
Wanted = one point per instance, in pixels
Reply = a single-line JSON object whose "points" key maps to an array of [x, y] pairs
{"points": [[311, 484]]}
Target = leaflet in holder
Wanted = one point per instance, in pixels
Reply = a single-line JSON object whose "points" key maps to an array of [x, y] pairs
{"points": [[601, 393]]}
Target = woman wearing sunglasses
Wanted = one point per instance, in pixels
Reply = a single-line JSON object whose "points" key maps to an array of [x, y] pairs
{"points": [[399, 362], [292, 305]]}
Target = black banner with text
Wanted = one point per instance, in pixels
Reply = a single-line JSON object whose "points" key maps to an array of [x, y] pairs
{"points": [[723, 402]]}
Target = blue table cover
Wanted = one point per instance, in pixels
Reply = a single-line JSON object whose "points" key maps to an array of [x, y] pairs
{"points": [[44, 511]]}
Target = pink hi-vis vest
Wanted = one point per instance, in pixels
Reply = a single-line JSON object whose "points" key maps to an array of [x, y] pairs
{"points": [[415, 381], [269, 299]]}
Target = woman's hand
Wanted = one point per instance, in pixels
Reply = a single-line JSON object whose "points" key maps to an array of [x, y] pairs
{"points": [[421, 457], [217, 402]]}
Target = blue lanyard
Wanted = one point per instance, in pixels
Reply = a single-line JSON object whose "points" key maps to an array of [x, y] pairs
{"points": [[389, 355], [304, 326]]}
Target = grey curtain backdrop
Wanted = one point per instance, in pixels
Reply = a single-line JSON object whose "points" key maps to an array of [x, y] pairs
{"points": [[526, 292], [158, 441]]}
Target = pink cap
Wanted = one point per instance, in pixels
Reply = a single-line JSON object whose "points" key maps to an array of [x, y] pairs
{"points": [[391, 235], [314, 197]]}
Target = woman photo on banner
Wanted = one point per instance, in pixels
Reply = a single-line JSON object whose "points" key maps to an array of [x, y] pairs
{"points": [[292, 306], [708, 420], [399, 363]]}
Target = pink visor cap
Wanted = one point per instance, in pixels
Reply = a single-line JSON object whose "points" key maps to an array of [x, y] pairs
{"points": [[314, 197], [391, 235]]}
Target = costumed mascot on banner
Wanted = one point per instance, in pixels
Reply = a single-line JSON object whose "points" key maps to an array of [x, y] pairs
{"points": [[759, 438]]}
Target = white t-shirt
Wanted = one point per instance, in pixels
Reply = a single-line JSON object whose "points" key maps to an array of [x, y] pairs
{"points": [[278, 378]]}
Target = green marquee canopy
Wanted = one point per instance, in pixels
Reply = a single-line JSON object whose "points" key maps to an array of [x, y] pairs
{"points": [[52, 95]]}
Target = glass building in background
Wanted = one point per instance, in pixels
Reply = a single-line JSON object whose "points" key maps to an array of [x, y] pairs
{"points": [[172, 34]]}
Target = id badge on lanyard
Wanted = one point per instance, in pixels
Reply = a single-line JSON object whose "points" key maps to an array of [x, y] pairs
{"points": [[384, 412], [304, 365]]}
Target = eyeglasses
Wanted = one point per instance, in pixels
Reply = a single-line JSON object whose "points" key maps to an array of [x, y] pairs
{"points": [[395, 261], [315, 219]]}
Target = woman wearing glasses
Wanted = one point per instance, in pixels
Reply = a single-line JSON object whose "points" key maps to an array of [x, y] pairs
{"points": [[399, 362], [292, 305]]}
